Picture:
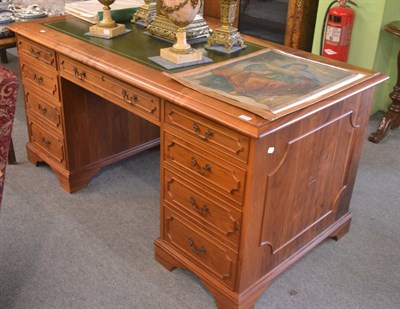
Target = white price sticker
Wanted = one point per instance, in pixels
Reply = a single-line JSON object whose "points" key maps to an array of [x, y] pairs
{"points": [[244, 117]]}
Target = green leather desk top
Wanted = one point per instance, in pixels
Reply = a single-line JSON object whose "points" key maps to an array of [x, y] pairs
{"points": [[136, 44]]}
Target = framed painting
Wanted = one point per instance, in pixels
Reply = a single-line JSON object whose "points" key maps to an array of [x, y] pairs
{"points": [[269, 83]]}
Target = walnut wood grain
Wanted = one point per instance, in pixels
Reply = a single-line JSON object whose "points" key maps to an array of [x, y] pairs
{"points": [[44, 108], [98, 130]]}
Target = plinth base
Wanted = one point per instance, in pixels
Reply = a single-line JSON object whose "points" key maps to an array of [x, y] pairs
{"points": [[107, 32], [172, 66], [168, 54], [223, 49], [226, 39]]}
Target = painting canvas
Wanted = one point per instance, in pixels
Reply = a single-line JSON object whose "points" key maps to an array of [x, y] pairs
{"points": [[269, 81]]}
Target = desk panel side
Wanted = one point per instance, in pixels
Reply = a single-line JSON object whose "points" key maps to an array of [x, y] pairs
{"points": [[299, 187]]}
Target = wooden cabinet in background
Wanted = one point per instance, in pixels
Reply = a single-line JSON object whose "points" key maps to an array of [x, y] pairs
{"points": [[288, 22]]}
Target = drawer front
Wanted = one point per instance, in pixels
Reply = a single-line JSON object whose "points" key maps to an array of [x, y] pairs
{"points": [[218, 175], [37, 53], [221, 262], [211, 134], [44, 80], [50, 144], [195, 203], [127, 96], [46, 109]]}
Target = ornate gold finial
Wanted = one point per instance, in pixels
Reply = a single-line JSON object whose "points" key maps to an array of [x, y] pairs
{"points": [[226, 35], [145, 13]]}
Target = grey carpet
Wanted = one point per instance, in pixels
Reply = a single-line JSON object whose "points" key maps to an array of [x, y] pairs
{"points": [[94, 248]]}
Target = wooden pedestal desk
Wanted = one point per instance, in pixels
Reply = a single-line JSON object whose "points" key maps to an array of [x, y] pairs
{"points": [[232, 212]]}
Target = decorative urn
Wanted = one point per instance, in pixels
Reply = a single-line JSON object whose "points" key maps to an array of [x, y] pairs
{"points": [[181, 13]]}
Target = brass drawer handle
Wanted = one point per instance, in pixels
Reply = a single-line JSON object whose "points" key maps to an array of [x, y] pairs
{"points": [[81, 75], [200, 210], [209, 132], [34, 54], [203, 170], [37, 79], [46, 142], [130, 100], [198, 251], [41, 109]]}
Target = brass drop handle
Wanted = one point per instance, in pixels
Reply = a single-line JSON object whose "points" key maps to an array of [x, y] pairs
{"points": [[37, 79], [46, 142], [34, 54], [200, 210], [81, 75], [198, 251], [203, 170], [130, 100], [41, 109], [209, 132]]}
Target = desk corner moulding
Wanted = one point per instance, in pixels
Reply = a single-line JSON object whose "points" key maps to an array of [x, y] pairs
{"points": [[242, 197]]}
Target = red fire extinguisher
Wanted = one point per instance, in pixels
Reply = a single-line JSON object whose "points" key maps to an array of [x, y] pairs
{"points": [[339, 23]]}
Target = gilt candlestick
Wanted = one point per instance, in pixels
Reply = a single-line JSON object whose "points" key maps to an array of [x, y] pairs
{"points": [[226, 37], [145, 13]]}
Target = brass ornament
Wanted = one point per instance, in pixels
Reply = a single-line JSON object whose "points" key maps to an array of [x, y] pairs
{"points": [[181, 13], [107, 21], [146, 12], [226, 35], [107, 27]]}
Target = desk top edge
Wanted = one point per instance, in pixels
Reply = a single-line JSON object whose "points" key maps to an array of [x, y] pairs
{"points": [[163, 85]]}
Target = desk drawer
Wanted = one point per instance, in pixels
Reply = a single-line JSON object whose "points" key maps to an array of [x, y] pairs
{"points": [[125, 95], [46, 109], [192, 202], [50, 144], [219, 175], [44, 80], [216, 259], [37, 53], [211, 134]]}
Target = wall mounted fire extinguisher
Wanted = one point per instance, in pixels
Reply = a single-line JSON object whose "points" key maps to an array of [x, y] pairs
{"points": [[335, 41]]}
